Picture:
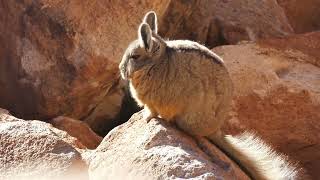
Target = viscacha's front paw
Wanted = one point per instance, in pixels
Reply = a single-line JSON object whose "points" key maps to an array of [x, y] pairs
{"points": [[148, 115]]}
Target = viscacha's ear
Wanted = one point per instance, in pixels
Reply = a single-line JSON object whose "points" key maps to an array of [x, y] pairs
{"points": [[151, 19], [145, 36]]}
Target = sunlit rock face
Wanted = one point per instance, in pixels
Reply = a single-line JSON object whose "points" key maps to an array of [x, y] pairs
{"points": [[35, 149], [277, 94]]}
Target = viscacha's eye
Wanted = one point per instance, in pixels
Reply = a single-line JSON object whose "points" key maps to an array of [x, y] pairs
{"points": [[135, 56]]}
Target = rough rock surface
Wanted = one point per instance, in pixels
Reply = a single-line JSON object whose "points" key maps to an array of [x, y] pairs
{"points": [[303, 15], [34, 149], [277, 94], [61, 57], [77, 129], [4, 111], [216, 22], [154, 150]]}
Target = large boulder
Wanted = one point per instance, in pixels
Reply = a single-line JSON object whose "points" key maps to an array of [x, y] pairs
{"points": [[36, 150], [216, 22], [303, 15], [156, 150], [277, 94], [61, 57]]}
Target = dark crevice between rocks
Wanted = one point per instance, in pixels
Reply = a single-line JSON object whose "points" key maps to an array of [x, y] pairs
{"points": [[128, 108], [215, 36]]}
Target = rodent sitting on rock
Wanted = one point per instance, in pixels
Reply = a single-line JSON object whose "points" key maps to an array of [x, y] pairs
{"points": [[183, 82]]}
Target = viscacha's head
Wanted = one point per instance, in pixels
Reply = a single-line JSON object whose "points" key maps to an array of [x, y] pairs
{"points": [[146, 50]]}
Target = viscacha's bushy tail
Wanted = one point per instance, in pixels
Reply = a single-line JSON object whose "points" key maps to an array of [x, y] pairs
{"points": [[255, 157]]}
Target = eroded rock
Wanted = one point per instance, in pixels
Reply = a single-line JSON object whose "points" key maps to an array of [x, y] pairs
{"points": [[277, 94], [217, 22], [303, 15], [4, 111], [61, 57], [36, 150], [77, 129], [154, 150]]}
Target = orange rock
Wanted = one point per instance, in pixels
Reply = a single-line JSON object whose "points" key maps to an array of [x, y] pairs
{"points": [[61, 57], [303, 15], [219, 22], [277, 94], [77, 129]]}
